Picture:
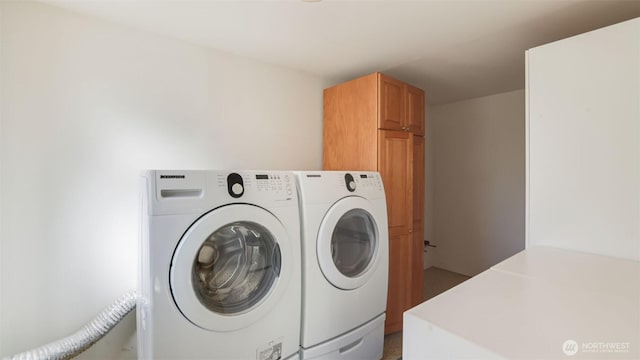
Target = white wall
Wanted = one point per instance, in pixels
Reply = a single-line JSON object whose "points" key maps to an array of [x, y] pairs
{"points": [[584, 142], [477, 169], [86, 105]]}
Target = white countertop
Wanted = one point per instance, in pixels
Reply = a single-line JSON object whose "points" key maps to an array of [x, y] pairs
{"points": [[528, 306]]}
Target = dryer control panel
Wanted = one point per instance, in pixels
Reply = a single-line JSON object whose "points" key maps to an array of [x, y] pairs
{"points": [[366, 181], [322, 186]]}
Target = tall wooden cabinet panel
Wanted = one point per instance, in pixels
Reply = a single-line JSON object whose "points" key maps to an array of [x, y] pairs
{"points": [[376, 123], [351, 125], [395, 164]]}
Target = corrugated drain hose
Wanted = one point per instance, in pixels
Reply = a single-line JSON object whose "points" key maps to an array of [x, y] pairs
{"points": [[81, 340]]}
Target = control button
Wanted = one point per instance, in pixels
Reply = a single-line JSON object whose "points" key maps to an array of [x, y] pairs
{"points": [[237, 189]]}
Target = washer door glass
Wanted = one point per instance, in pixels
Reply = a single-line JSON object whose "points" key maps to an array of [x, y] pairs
{"points": [[231, 267], [235, 267], [349, 243], [353, 242]]}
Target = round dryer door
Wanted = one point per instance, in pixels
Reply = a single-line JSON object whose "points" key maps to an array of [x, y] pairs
{"points": [[348, 243], [230, 267]]}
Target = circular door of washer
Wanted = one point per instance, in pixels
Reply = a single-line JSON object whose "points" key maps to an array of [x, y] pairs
{"points": [[231, 267], [348, 243]]}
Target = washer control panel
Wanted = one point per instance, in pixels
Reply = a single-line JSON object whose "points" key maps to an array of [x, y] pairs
{"points": [[272, 184], [187, 191]]}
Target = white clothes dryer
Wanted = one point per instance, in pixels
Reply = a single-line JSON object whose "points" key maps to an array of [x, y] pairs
{"points": [[220, 266], [345, 254]]}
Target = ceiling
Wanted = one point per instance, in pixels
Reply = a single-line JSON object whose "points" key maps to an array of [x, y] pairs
{"points": [[455, 50]]}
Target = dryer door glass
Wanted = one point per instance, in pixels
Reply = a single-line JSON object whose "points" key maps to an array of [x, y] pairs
{"points": [[236, 267], [353, 242]]}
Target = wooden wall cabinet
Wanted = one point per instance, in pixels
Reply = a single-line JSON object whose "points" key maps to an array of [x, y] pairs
{"points": [[400, 105], [376, 123]]}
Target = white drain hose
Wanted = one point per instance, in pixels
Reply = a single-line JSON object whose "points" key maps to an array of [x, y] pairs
{"points": [[81, 340]]}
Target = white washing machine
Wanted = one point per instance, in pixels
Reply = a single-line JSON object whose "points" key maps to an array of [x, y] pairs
{"points": [[220, 266], [345, 254]]}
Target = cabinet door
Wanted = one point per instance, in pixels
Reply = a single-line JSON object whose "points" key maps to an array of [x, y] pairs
{"points": [[417, 262], [399, 273], [395, 164], [414, 99], [391, 103]]}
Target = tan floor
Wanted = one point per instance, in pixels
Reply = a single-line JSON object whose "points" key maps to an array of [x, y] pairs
{"points": [[436, 281]]}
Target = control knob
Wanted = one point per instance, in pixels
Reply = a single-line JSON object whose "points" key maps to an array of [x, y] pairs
{"points": [[235, 185], [350, 182]]}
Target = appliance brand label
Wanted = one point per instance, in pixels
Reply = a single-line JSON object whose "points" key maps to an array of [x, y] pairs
{"points": [[172, 176]]}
